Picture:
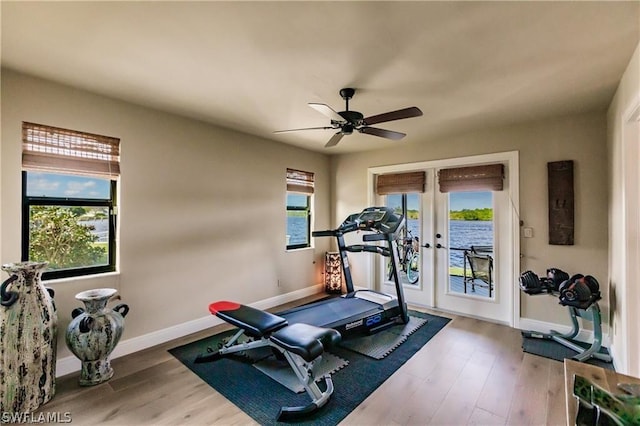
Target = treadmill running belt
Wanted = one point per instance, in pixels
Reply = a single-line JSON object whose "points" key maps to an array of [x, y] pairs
{"points": [[326, 313]]}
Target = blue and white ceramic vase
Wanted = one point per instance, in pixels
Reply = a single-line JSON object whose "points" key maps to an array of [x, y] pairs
{"points": [[28, 337], [94, 333]]}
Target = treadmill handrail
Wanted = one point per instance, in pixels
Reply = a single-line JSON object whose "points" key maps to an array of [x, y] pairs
{"points": [[374, 237], [343, 229], [357, 248], [326, 233]]}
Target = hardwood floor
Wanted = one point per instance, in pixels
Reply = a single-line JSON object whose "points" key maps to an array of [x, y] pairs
{"points": [[471, 373]]}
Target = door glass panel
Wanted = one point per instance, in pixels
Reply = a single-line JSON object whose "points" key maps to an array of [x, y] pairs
{"points": [[408, 238], [411, 246], [471, 236]]}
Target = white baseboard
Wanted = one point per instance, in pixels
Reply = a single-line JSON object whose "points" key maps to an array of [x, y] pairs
{"points": [[617, 363], [71, 364]]}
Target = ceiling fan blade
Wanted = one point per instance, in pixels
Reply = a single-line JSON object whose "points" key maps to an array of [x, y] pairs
{"points": [[393, 115], [389, 134], [334, 140], [305, 128], [328, 111]]}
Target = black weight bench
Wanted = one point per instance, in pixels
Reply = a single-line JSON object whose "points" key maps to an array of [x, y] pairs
{"points": [[302, 345]]}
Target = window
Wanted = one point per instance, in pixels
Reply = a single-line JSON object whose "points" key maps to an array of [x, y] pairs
{"points": [[300, 187], [69, 198], [403, 195]]}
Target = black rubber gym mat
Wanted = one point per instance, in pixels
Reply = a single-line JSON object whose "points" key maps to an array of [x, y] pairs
{"points": [[281, 372], [554, 350], [381, 344], [261, 397]]}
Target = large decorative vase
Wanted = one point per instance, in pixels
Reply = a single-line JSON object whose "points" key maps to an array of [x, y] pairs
{"points": [[28, 336], [94, 333]]}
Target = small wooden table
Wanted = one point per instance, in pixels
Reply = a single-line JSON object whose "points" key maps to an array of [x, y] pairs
{"points": [[606, 379]]}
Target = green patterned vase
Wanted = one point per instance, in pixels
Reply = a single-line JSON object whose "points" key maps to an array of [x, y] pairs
{"points": [[28, 336], [94, 333]]}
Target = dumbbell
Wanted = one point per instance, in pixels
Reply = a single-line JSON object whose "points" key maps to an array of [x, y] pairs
{"points": [[589, 280], [575, 291], [556, 277], [530, 283], [593, 284]]}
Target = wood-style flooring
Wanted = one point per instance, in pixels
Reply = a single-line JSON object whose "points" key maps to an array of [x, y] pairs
{"points": [[471, 373]]}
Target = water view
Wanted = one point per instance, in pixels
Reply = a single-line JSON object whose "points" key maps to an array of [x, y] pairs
{"points": [[99, 228], [462, 234]]}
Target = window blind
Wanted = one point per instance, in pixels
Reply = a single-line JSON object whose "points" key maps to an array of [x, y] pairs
{"points": [[399, 183], [300, 181], [475, 178], [53, 149]]}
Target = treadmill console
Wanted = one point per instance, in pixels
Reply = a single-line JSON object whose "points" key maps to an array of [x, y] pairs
{"points": [[377, 219]]}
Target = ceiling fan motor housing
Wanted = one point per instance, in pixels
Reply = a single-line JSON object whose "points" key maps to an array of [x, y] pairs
{"points": [[353, 117]]}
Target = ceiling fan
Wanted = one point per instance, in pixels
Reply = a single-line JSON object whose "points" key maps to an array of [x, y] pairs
{"points": [[347, 121]]}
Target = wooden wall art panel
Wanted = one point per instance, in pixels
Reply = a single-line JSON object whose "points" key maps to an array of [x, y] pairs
{"points": [[561, 202]]}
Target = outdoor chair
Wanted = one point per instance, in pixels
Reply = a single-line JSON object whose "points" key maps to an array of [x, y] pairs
{"points": [[481, 266]]}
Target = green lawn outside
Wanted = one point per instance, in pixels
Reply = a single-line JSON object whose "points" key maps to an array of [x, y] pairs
{"points": [[104, 259], [457, 271]]}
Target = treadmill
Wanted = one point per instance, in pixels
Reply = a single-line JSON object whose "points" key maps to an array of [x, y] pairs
{"points": [[362, 311]]}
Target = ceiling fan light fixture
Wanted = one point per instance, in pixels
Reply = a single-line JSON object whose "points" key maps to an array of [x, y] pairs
{"points": [[347, 129]]}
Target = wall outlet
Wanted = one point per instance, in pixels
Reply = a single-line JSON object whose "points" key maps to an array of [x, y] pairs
{"points": [[528, 232]]}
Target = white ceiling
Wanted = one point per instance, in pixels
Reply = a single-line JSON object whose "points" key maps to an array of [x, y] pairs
{"points": [[254, 66]]}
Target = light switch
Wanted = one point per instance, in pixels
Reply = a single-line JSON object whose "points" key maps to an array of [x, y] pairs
{"points": [[528, 232]]}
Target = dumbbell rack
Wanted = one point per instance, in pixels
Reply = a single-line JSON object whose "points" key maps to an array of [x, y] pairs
{"points": [[589, 311]]}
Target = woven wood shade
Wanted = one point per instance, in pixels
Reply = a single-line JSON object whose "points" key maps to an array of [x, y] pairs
{"points": [[300, 181], [399, 183], [52, 149], [475, 178]]}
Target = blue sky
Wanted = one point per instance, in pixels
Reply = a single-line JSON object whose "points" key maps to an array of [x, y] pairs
{"points": [[470, 200], [66, 186]]}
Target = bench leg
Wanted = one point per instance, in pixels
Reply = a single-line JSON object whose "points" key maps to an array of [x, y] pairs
{"points": [[232, 346], [304, 372]]}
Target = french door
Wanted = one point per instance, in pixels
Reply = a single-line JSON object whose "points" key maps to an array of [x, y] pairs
{"points": [[467, 244]]}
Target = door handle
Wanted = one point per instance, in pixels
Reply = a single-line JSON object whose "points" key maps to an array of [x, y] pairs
{"points": [[440, 246], [427, 245]]}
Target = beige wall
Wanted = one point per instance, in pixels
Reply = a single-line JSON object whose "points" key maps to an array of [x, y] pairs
{"points": [[202, 209], [581, 138], [194, 229], [623, 204]]}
